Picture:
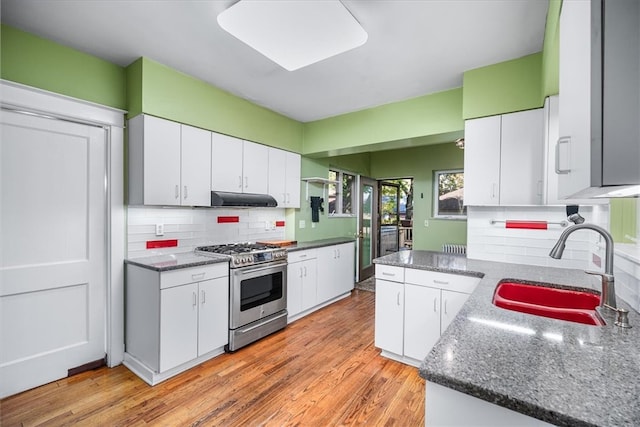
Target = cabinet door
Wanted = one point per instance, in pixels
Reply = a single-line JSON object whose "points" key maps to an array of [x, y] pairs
{"points": [[482, 161], [294, 288], [521, 158], [309, 284], [345, 268], [161, 162], [452, 302], [327, 274], [421, 320], [213, 314], [292, 183], [574, 145], [178, 325], [226, 163], [277, 175], [196, 167], [389, 316], [255, 168]]}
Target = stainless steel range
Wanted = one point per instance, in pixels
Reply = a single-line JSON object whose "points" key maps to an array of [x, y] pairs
{"points": [[257, 290]]}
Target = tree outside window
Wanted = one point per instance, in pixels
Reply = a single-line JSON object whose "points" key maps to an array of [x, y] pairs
{"points": [[449, 194]]}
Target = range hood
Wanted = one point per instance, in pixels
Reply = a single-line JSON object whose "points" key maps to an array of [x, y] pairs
{"points": [[221, 198]]}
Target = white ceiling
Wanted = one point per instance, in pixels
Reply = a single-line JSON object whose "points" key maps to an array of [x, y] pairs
{"points": [[415, 47]]}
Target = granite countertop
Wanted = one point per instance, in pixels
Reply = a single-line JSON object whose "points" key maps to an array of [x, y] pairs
{"points": [[561, 372], [175, 261], [319, 243]]}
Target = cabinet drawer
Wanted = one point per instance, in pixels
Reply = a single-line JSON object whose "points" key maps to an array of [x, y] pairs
{"points": [[193, 274], [390, 272], [298, 256], [433, 279]]}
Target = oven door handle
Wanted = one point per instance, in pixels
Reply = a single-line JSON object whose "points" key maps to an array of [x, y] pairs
{"points": [[241, 271]]}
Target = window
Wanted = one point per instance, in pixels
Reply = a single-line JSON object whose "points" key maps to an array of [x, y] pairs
{"points": [[449, 194], [341, 195]]}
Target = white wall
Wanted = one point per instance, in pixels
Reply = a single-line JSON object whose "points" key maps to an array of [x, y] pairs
{"points": [[198, 227]]}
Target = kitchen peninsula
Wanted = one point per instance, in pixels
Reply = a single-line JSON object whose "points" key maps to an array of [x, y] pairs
{"points": [[507, 367]]}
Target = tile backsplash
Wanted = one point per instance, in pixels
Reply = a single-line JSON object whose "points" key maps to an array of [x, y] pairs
{"points": [[193, 227], [494, 242]]}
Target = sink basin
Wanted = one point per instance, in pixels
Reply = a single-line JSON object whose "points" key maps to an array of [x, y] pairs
{"points": [[547, 301]]}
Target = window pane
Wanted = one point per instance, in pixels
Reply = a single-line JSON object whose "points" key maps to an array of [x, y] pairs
{"points": [[451, 193], [348, 183], [332, 192]]}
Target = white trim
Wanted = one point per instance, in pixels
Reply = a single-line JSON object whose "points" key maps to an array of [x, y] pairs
{"points": [[20, 97]]}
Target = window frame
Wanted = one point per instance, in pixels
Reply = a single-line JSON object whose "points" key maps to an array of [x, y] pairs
{"points": [[436, 196], [339, 193]]}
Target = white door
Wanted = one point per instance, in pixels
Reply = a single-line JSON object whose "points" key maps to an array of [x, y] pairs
{"points": [[482, 161], [226, 163], [452, 303], [52, 249], [278, 176], [213, 314], [421, 320], [255, 168], [389, 316], [195, 166], [161, 162]]}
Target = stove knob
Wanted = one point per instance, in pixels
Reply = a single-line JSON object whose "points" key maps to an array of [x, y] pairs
{"points": [[236, 261], [248, 259]]}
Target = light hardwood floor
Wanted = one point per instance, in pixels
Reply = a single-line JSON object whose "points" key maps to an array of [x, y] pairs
{"points": [[322, 370]]}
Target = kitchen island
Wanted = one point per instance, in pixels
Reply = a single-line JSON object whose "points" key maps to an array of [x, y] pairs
{"points": [[544, 370]]}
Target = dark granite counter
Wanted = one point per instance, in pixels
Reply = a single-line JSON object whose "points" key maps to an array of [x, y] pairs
{"points": [[319, 243], [560, 372], [176, 261]]}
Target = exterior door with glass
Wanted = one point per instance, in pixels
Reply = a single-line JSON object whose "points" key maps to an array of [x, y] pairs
{"points": [[368, 227]]}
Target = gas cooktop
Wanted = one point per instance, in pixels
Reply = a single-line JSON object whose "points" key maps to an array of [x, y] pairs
{"points": [[245, 254]]}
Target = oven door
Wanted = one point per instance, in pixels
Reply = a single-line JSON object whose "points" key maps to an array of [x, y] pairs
{"points": [[256, 292]]}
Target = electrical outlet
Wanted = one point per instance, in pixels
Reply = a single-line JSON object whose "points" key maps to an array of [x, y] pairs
{"points": [[302, 223], [426, 222], [159, 229]]}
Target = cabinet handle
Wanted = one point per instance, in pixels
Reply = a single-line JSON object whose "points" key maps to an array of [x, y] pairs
{"points": [[246, 182], [398, 298], [239, 181], [195, 299], [338, 252], [435, 300], [287, 197], [177, 191], [305, 271], [445, 307], [384, 273], [301, 272], [202, 293], [562, 140], [493, 190], [302, 256], [197, 276], [440, 282], [185, 192], [540, 188]]}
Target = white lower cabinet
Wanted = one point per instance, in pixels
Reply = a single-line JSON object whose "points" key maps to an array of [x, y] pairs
{"points": [[301, 282], [414, 307], [175, 319], [317, 277]]}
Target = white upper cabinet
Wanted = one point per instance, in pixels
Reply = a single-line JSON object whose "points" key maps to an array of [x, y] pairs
{"points": [[482, 161], [573, 148], [195, 166], [599, 138], [226, 163], [238, 166], [169, 163], [503, 159], [284, 177]]}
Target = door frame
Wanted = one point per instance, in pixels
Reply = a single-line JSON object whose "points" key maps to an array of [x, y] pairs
{"points": [[375, 220], [27, 99]]}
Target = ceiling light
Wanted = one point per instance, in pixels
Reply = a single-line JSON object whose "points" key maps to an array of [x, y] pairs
{"points": [[294, 34]]}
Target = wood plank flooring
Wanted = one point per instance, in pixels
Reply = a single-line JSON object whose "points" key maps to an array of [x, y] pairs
{"points": [[322, 370]]}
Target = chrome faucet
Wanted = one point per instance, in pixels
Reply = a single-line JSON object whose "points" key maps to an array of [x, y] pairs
{"points": [[608, 299]]}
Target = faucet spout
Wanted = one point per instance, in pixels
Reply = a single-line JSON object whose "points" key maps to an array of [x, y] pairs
{"points": [[608, 298]]}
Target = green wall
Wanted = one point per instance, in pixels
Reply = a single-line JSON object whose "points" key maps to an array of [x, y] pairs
{"points": [[623, 216], [551, 51], [435, 114], [163, 92], [41, 63], [420, 163], [504, 87], [328, 226]]}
